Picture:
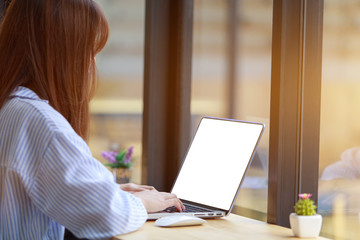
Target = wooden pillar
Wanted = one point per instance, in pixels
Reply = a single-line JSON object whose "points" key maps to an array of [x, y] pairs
{"points": [[167, 84]]}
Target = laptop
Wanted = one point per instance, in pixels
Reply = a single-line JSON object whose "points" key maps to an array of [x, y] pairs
{"points": [[214, 167]]}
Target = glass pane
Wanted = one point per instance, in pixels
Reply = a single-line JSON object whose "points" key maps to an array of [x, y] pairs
{"points": [[339, 183], [210, 81], [116, 110]]}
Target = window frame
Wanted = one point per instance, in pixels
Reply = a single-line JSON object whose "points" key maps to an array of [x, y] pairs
{"points": [[167, 90], [295, 98], [295, 105]]}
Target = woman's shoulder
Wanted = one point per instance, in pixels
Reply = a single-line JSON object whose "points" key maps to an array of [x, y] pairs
{"points": [[34, 113]]}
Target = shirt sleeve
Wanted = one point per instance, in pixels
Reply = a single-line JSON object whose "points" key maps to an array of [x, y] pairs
{"points": [[78, 192]]}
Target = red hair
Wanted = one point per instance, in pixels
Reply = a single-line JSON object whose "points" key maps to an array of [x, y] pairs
{"points": [[49, 46]]}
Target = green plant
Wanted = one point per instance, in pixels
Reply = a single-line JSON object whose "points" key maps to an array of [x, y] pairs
{"points": [[305, 206], [122, 159]]}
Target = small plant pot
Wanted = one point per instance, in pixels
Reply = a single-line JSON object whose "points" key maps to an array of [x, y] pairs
{"points": [[122, 175], [306, 226]]}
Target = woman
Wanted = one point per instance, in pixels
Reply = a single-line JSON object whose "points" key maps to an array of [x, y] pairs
{"points": [[48, 177]]}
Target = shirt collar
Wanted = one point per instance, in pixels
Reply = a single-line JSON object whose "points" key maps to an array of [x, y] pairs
{"points": [[23, 92]]}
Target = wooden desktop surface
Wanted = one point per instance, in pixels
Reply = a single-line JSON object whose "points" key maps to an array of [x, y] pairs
{"points": [[227, 228]]}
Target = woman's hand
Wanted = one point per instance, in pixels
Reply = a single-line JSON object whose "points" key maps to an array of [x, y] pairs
{"points": [[155, 201], [133, 188]]}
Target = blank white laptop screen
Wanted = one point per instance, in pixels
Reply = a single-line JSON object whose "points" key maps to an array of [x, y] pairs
{"points": [[217, 161]]}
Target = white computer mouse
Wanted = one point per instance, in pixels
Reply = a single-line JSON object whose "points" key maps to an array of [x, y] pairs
{"points": [[178, 220]]}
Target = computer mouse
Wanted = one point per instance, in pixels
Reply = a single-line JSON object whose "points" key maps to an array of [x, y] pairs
{"points": [[178, 220]]}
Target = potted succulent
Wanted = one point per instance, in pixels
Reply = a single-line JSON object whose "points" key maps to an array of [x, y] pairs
{"points": [[120, 163], [305, 222]]}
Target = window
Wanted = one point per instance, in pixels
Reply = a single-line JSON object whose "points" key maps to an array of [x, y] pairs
{"points": [[116, 110], [231, 79], [339, 166]]}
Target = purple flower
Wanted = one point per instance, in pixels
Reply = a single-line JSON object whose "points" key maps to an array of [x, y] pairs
{"points": [[128, 155], [110, 156]]}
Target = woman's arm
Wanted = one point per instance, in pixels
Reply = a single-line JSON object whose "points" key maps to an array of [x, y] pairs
{"points": [[78, 192]]}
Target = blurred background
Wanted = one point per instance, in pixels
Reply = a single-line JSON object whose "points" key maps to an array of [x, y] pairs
{"points": [[339, 163], [231, 77]]}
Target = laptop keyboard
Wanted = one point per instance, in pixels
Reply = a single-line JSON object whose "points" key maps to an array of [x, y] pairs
{"points": [[188, 208]]}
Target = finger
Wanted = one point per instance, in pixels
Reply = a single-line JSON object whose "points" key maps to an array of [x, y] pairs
{"points": [[170, 196], [176, 203], [145, 187], [131, 187], [126, 186], [182, 205], [173, 196]]}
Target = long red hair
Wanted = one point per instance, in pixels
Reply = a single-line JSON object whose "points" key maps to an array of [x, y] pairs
{"points": [[50, 47]]}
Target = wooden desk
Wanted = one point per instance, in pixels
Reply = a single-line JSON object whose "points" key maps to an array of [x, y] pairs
{"points": [[228, 228]]}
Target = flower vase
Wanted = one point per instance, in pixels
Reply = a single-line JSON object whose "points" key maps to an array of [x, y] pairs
{"points": [[122, 175]]}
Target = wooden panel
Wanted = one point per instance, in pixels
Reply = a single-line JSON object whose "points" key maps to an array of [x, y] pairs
{"points": [[167, 84], [3, 6], [295, 105], [232, 50], [311, 97]]}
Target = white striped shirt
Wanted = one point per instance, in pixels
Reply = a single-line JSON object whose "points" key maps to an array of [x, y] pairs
{"points": [[49, 179]]}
